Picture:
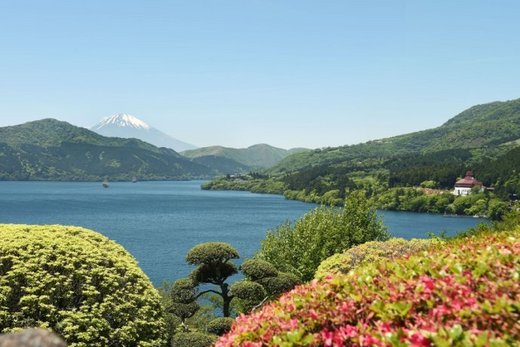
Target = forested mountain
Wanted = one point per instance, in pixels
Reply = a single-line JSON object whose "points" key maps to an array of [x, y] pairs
{"points": [[255, 157], [481, 128], [484, 138], [480, 134], [49, 149]]}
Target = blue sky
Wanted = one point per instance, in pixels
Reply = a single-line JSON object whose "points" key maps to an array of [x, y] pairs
{"points": [[236, 73]]}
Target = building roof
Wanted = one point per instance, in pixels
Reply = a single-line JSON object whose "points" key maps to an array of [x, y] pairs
{"points": [[468, 181]]}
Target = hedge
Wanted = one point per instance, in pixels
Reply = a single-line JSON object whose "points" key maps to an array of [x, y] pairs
{"points": [[78, 283]]}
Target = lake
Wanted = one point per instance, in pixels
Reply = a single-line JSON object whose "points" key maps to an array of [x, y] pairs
{"points": [[158, 222]]}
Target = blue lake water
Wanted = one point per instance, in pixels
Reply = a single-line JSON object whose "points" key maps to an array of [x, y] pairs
{"points": [[158, 222]]}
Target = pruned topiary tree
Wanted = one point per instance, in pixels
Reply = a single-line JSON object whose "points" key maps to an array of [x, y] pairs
{"points": [[214, 266]]}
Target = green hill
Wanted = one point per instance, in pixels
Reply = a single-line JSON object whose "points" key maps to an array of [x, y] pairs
{"points": [[221, 165], [484, 138], [482, 129], [49, 149], [255, 157]]}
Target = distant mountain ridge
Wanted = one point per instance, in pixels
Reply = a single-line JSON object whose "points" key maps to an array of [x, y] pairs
{"points": [[260, 156], [49, 149], [127, 126]]}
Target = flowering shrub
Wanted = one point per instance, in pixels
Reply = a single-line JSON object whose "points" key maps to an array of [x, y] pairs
{"points": [[466, 293], [370, 252]]}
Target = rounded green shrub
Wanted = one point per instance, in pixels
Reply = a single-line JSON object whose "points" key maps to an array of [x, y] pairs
{"points": [[256, 269], [193, 339], [279, 284], [248, 290], [220, 326], [78, 283], [211, 252], [370, 252]]}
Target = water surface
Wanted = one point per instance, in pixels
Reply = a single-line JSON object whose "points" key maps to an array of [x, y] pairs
{"points": [[158, 222]]}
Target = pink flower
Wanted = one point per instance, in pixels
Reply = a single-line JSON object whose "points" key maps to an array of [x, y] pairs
{"points": [[418, 340]]}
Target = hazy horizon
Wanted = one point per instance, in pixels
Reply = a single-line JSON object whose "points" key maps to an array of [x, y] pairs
{"points": [[290, 74]]}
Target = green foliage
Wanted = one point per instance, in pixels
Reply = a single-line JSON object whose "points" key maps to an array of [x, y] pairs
{"points": [[509, 221], [183, 310], [262, 283], [78, 283], [255, 185], [300, 248], [213, 267], [211, 253], [219, 326], [370, 252], [430, 170], [183, 290], [193, 339], [256, 269], [250, 293], [416, 200], [214, 273], [279, 284], [430, 184], [483, 204], [183, 296]]}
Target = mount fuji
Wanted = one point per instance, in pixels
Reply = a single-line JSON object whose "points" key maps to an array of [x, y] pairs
{"points": [[128, 126]]}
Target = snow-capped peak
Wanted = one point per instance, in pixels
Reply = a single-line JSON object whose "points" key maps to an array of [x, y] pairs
{"points": [[122, 120]]}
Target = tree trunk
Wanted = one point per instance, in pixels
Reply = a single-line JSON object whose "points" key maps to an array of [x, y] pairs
{"points": [[227, 300]]}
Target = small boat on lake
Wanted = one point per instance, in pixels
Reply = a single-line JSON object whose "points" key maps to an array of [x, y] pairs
{"points": [[134, 179], [105, 183]]}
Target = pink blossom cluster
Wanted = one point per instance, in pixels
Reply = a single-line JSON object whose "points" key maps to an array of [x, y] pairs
{"points": [[464, 293]]}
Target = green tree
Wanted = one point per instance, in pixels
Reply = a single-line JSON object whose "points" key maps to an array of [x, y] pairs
{"points": [[299, 248], [214, 267]]}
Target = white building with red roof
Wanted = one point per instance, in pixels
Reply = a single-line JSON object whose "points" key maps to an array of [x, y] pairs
{"points": [[465, 185]]}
